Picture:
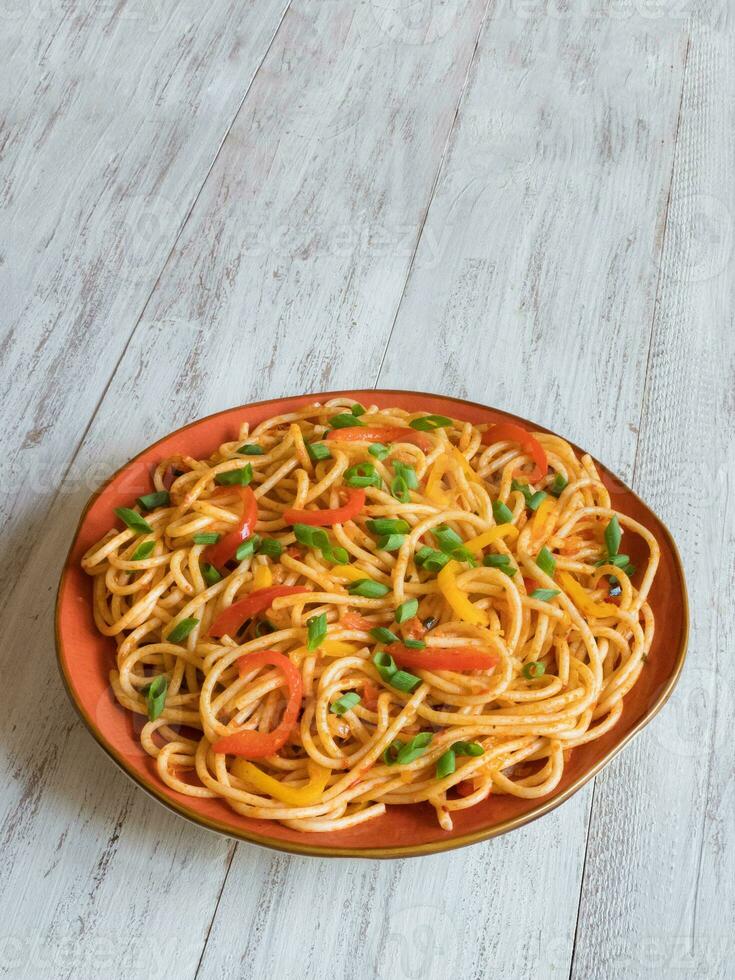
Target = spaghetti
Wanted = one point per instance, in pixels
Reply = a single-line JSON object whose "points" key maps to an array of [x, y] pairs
{"points": [[349, 608]]}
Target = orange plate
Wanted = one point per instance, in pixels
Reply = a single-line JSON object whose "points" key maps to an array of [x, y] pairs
{"points": [[85, 658]]}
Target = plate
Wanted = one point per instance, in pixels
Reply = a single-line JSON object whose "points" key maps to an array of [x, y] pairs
{"points": [[85, 657]]}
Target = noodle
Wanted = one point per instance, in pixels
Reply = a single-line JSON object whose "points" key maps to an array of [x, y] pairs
{"points": [[460, 623]]}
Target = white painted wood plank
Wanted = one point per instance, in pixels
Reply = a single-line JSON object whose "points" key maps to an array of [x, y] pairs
{"points": [[112, 115], [659, 887], [337, 146], [517, 316]]}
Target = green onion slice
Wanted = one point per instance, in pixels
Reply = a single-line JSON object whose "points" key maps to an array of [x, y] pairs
{"points": [[522, 488], [414, 644], [391, 542], [613, 534], [428, 423], [447, 539], [251, 449], [235, 478], [378, 450], [383, 635], [502, 513], [390, 753], [150, 501], [144, 550], [403, 681], [546, 562], [537, 499], [558, 485], [317, 451], [247, 548], [344, 420], [399, 489], [387, 525], [357, 410], [209, 537], [345, 703], [446, 764], [415, 748], [368, 589], [468, 748], [181, 630], [362, 475], [430, 559], [210, 574], [155, 695], [544, 594], [317, 630], [271, 548], [533, 669], [385, 664], [407, 472], [133, 520], [495, 561], [407, 610]]}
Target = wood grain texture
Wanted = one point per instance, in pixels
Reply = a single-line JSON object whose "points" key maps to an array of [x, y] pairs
{"points": [[540, 155], [112, 117], [335, 150], [659, 888]]}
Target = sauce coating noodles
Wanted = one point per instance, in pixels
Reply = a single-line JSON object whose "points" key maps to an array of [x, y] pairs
{"points": [[349, 608]]}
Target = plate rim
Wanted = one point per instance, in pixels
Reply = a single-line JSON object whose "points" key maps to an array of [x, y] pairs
{"points": [[160, 794]]}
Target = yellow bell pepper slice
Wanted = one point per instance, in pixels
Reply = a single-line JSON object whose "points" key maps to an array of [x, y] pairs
{"points": [[434, 490], [457, 599], [475, 545], [348, 572], [584, 601], [338, 648], [541, 516], [262, 578], [294, 795], [464, 463]]}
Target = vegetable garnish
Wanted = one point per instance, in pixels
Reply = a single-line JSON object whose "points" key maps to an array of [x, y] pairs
{"points": [[546, 562], [391, 542], [391, 674], [345, 421], [210, 574], [317, 451], [383, 635], [584, 601], [378, 450], [325, 518], [297, 796], [387, 525], [271, 548], [430, 559], [533, 669], [500, 561], [231, 619], [407, 473], [345, 703], [468, 748], [457, 598], [150, 501], [502, 513], [446, 764], [357, 410], [450, 658], [220, 553], [209, 537], [133, 520], [399, 489], [155, 696], [406, 610], [315, 537], [381, 435], [368, 589], [182, 629], [247, 548], [251, 449], [317, 630], [144, 550], [427, 423], [235, 478], [362, 475], [558, 485], [613, 535], [254, 744], [414, 749], [510, 432], [544, 595]]}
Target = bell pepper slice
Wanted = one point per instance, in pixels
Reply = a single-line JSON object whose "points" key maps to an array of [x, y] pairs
{"points": [[263, 577], [510, 432], [434, 490], [294, 795], [348, 572], [541, 516], [231, 619], [375, 433], [257, 745], [338, 648], [457, 599], [451, 658], [324, 518], [220, 553], [583, 600], [475, 545]]}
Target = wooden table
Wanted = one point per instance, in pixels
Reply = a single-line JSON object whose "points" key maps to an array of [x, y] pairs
{"points": [[526, 203]]}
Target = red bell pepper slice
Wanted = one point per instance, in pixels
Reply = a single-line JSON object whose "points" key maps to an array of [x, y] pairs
{"points": [[510, 432], [220, 553], [454, 658], [256, 745], [324, 518], [396, 433], [231, 619]]}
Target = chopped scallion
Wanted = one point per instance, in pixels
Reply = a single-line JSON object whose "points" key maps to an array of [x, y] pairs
{"points": [[144, 550], [427, 423], [317, 630], [182, 630], [251, 449], [317, 451], [345, 703], [407, 610], [544, 595], [387, 525], [344, 420], [208, 537], [133, 520], [235, 478], [546, 562], [210, 574], [383, 635], [613, 534], [446, 764], [155, 695], [368, 589], [502, 513], [378, 450], [150, 501], [533, 669]]}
